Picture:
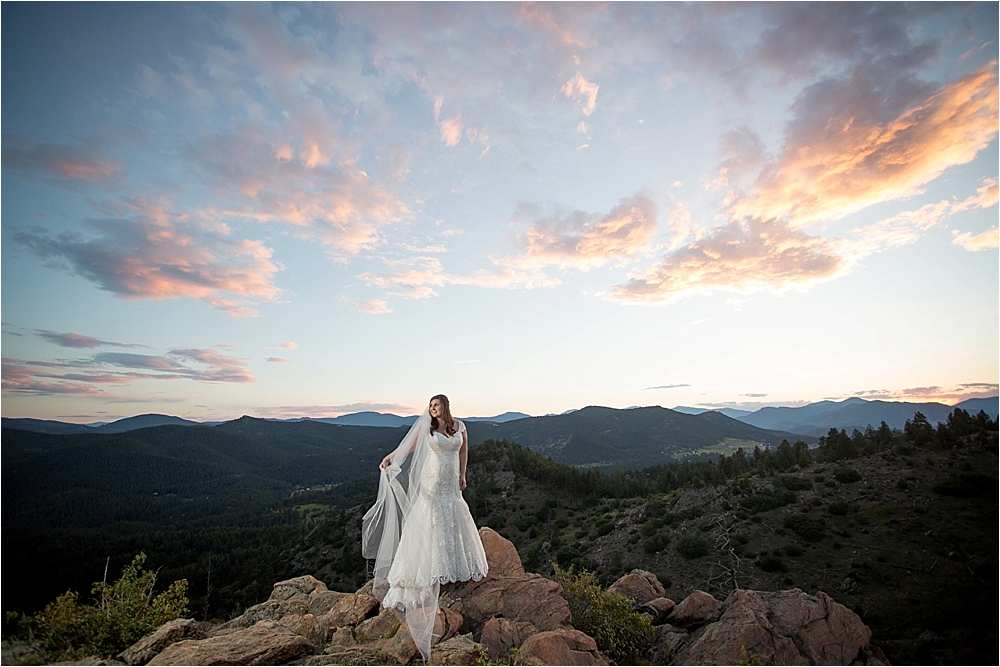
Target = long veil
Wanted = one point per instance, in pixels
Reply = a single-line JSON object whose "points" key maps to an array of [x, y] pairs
{"points": [[399, 484]]}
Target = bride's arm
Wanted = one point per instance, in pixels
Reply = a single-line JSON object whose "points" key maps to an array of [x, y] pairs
{"points": [[387, 461], [463, 459]]}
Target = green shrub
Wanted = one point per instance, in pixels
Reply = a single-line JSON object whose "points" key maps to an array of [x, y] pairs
{"points": [[839, 508], [692, 546], [847, 475], [967, 486], [772, 564], [526, 522], [123, 613], [497, 522], [654, 544], [806, 527], [606, 617], [793, 551], [793, 483], [768, 500]]}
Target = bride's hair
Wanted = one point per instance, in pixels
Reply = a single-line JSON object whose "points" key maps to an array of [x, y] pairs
{"points": [[449, 422]]}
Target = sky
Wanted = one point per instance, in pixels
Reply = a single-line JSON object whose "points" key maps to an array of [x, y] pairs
{"points": [[216, 210]]}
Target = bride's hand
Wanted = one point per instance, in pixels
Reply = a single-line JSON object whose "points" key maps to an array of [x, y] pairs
{"points": [[461, 482], [385, 463]]}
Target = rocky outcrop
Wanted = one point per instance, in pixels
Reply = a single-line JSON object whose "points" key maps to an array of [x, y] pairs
{"points": [[305, 623], [639, 585], [771, 628], [153, 644], [265, 643]]}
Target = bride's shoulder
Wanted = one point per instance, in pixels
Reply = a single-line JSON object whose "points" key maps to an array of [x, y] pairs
{"points": [[459, 426]]}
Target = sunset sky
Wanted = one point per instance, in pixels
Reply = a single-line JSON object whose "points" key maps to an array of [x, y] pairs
{"points": [[212, 210]]}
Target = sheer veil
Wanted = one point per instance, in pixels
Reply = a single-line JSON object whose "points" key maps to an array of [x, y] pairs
{"points": [[399, 484]]}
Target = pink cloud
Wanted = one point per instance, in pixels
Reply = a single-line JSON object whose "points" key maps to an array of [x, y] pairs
{"points": [[581, 91], [988, 240], [279, 360], [294, 411], [149, 253], [76, 340], [289, 345]]}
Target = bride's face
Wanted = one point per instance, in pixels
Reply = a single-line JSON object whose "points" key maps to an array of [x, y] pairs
{"points": [[435, 409]]}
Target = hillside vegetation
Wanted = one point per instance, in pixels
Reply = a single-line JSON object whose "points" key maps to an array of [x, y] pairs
{"points": [[899, 525]]}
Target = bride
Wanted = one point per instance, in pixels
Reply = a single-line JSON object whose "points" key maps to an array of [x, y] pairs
{"points": [[420, 531]]}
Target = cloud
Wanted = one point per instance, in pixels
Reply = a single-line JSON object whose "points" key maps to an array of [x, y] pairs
{"points": [[147, 253], [754, 395], [76, 340], [69, 163], [294, 411], [585, 240], [543, 15], [988, 240], [582, 91], [750, 257], [279, 360], [853, 160], [985, 197], [374, 306], [418, 277], [87, 376], [666, 386], [947, 395], [289, 345]]}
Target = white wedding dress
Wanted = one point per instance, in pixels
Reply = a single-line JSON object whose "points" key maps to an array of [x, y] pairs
{"points": [[439, 542]]}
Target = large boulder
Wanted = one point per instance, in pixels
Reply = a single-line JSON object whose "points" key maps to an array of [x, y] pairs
{"points": [[775, 628], [271, 610], [501, 555], [658, 609], [530, 598], [459, 650], [299, 588], [169, 633], [350, 610], [265, 643], [698, 608], [500, 635], [639, 585], [564, 646]]}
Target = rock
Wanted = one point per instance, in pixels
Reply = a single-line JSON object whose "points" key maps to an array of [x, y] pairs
{"points": [[383, 626], [698, 608], [500, 635], [146, 648], [501, 555], [349, 610], [340, 637], [272, 610], [265, 643], [367, 588], [90, 660], [321, 602], [531, 599], [298, 588], [367, 654], [667, 641], [459, 650], [401, 647], [778, 628], [639, 585], [447, 624], [562, 647], [305, 625], [658, 609]]}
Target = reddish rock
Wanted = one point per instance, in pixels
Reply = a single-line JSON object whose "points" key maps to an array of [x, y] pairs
{"points": [[152, 644], [501, 555], [401, 647], [349, 610], [826, 631], [272, 610], [531, 599], [459, 650], [500, 635], [383, 626], [340, 637], [658, 609], [447, 624], [297, 588], [698, 608], [320, 602], [668, 640], [562, 647], [639, 585], [266, 643]]}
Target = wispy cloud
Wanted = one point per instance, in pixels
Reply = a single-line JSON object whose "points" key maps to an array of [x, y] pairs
{"points": [[666, 386], [278, 360], [88, 376], [75, 340], [295, 411], [148, 253], [936, 394], [63, 162], [988, 240], [581, 91]]}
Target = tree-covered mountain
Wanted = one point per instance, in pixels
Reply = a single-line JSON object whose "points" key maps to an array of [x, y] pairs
{"points": [[613, 439]]}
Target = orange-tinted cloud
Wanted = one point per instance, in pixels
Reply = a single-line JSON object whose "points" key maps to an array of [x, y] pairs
{"points": [[294, 411], [584, 240], [946, 395], [988, 240], [851, 164], [581, 91], [752, 256], [542, 15], [150, 254]]}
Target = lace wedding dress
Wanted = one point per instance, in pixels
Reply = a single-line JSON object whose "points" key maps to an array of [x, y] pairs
{"points": [[439, 543]]}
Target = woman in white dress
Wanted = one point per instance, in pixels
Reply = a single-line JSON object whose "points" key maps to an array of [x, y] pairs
{"points": [[420, 531]]}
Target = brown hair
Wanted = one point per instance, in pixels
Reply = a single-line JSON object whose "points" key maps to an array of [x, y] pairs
{"points": [[449, 422]]}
